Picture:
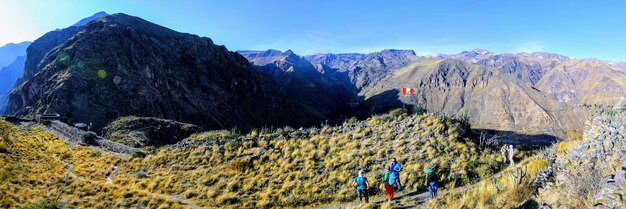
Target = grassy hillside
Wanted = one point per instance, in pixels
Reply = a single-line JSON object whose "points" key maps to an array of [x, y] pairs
{"points": [[280, 168], [569, 174], [34, 172]]}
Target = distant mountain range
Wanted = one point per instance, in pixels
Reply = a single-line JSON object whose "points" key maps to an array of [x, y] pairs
{"points": [[11, 68], [537, 93], [14, 55], [119, 65]]}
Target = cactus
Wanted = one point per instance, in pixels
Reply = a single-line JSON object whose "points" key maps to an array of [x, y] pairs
{"points": [[518, 175], [494, 182]]}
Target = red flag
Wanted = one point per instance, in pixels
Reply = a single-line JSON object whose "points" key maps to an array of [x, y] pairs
{"points": [[406, 91]]}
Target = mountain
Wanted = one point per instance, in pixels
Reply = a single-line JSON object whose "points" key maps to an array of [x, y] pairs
{"points": [[528, 67], [86, 20], [120, 65], [10, 51], [490, 98], [531, 93], [48, 41], [327, 91], [364, 69], [585, 82], [8, 77]]}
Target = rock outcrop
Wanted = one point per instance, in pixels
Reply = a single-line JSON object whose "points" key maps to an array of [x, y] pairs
{"points": [[140, 132], [593, 172]]}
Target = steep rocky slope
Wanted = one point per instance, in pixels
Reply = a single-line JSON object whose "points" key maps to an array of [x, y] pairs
{"points": [[589, 172], [8, 77], [364, 69], [121, 65], [492, 99], [585, 82], [328, 91], [44, 44]]}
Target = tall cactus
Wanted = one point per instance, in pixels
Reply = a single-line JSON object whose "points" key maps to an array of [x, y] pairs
{"points": [[518, 175]]}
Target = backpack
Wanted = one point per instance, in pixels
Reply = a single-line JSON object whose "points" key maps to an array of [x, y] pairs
{"points": [[396, 167], [432, 177], [393, 178], [360, 181]]}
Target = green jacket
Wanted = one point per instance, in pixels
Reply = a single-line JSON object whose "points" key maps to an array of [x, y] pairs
{"points": [[386, 178]]}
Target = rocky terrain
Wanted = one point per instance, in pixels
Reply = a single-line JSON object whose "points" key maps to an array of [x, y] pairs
{"points": [[590, 172], [147, 132], [120, 65]]}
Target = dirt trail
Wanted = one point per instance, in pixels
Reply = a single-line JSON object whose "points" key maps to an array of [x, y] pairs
{"points": [[109, 179], [418, 199]]}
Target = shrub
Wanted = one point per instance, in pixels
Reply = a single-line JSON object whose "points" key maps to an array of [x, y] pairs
{"points": [[609, 111], [138, 154], [88, 138], [45, 205], [398, 112], [419, 111], [3, 148], [141, 175], [214, 135]]}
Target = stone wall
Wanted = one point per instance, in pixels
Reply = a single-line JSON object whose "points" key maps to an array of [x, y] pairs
{"points": [[593, 172]]}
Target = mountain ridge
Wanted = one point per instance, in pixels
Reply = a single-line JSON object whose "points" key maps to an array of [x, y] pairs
{"points": [[92, 75]]}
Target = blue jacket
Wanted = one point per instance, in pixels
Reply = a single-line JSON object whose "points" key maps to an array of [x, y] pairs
{"points": [[361, 182], [396, 167]]}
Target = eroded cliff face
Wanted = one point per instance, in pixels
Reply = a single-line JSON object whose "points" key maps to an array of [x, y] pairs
{"points": [[491, 99], [121, 65]]}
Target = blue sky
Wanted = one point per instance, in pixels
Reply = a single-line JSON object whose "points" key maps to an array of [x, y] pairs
{"points": [[581, 29]]}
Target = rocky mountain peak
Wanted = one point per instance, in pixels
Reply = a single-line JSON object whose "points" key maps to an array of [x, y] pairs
{"points": [[86, 20], [120, 65]]}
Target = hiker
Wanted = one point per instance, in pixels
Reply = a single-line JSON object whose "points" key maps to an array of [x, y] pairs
{"points": [[432, 181], [361, 185], [390, 181], [396, 167], [503, 151], [511, 152]]}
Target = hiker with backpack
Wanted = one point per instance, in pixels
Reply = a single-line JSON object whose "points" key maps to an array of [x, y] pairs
{"points": [[511, 152], [432, 181], [503, 151], [396, 167], [390, 179], [361, 185]]}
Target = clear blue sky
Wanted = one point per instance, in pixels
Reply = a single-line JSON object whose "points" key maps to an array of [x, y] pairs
{"points": [[581, 29]]}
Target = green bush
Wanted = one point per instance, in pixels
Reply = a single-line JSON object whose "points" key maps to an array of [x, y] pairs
{"points": [[609, 111], [419, 111], [138, 154], [398, 112], [89, 138], [45, 205]]}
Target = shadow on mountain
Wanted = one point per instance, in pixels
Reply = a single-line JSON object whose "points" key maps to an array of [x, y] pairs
{"points": [[381, 103], [510, 137], [530, 204]]}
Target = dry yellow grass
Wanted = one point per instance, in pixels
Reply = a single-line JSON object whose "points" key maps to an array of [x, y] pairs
{"points": [[32, 172], [500, 191], [284, 168]]}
